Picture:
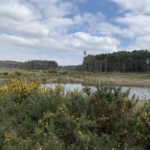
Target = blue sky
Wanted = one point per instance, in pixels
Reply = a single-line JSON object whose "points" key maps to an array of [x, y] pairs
{"points": [[62, 30], [107, 7]]}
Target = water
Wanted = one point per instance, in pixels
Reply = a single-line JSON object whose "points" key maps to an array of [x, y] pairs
{"points": [[143, 93]]}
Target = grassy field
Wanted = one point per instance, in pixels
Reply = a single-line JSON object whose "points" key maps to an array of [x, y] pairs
{"points": [[35, 118], [126, 79]]}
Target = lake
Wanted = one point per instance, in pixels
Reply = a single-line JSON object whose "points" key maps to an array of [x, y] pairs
{"points": [[143, 93]]}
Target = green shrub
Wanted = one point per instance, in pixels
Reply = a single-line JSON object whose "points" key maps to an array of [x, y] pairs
{"points": [[49, 119], [18, 73], [5, 73], [52, 71], [64, 72], [143, 124]]}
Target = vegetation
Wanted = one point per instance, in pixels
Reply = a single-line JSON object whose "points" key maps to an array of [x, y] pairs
{"points": [[30, 65], [33, 117], [40, 65], [86, 78], [122, 61]]}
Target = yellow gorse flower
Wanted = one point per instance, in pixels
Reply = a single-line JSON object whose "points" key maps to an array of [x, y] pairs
{"points": [[9, 136], [83, 137], [59, 88], [62, 108], [21, 88]]}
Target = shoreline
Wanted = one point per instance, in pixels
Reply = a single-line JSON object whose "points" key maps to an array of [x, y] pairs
{"points": [[92, 82], [85, 78]]}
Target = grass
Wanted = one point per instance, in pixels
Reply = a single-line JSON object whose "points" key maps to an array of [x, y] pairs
{"points": [[86, 78], [33, 117]]}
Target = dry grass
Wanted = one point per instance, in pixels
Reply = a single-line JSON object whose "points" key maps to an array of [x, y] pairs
{"points": [[126, 79], [95, 79]]}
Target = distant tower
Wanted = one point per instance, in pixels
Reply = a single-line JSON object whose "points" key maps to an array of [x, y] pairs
{"points": [[147, 61], [84, 64], [85, 54], [148, 64]]}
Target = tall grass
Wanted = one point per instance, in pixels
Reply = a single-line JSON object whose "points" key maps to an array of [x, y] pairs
{"points": [[32, 117]]}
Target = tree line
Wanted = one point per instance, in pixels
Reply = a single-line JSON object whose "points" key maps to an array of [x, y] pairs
{"points": [[30, 65], [122, 61]]}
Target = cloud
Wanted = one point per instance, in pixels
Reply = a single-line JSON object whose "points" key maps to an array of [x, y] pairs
{"points": [[135, 20], [142, 42], [35, 29], [136, 6], [16, 11], [56, 29], [53, 8], [137, 24], [18, 19], [75, 43], [93, 44]]}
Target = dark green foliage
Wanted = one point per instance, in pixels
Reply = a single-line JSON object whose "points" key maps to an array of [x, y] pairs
{"points": [[51, 120], [40, 65], [5, 73], [123, 61], [18, 73], [10, 64], [30, 65]]}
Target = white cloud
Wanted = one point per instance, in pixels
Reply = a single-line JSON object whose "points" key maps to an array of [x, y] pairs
{"points": [[136, 6], [136, 24], [141, 42], [76, 42], [54, 8], [35, 29], [94, 44], [41, 28], [16, 11], [15, 40]]}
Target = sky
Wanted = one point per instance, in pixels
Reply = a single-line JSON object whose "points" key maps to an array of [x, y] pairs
{"points": [[61, 30]]}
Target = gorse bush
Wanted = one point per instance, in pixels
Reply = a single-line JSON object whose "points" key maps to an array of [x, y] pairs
{"points": [[143, 124], [34, 117], [5, 73], [17, 73]]}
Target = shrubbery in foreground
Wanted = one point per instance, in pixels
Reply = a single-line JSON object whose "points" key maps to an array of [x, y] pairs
{"points": [[32, 117]]}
